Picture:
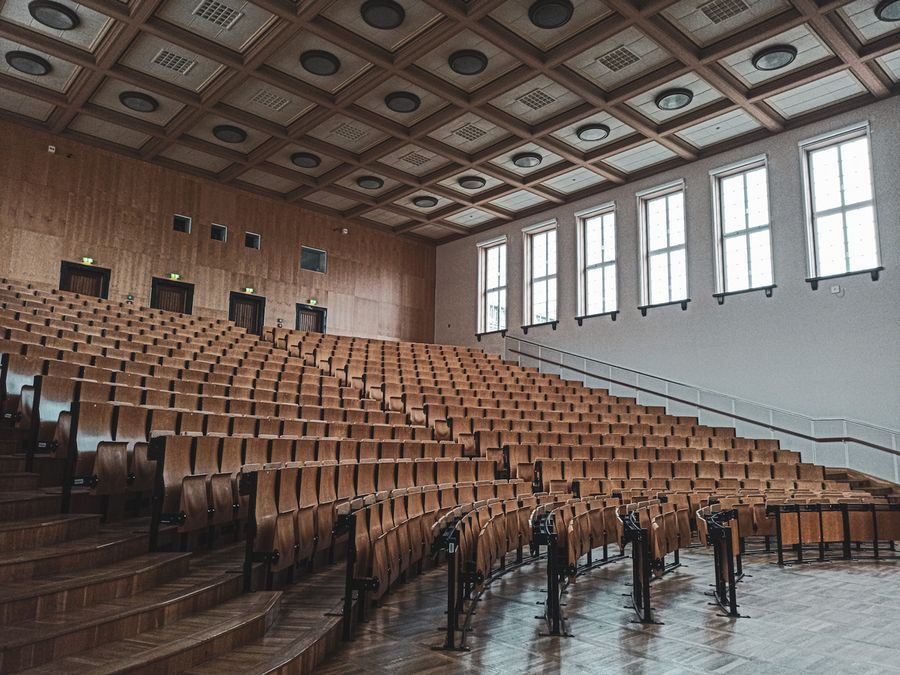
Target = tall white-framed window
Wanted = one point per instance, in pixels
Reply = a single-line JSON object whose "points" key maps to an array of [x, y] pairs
{"points": [[492, 285], [597, 290], [842, 232], [743, 231], [663, 244], [540, 273]]}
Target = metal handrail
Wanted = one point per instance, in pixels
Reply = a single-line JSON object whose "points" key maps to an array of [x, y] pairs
{"points": [[703, 406]]}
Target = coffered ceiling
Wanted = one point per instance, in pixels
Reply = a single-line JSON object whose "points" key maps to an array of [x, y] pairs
{"points": [[437, 118]]}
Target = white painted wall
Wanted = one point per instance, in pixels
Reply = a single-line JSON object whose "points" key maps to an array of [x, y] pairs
{"points": [[801, 350]]}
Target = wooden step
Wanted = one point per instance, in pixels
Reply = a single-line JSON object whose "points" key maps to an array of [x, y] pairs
{"points": [[17, 482], [28, 504], [174, 647], [11, 446], [107, 546], [12, 463], [83, 588], [21, 535], [29, 644], [306, 630]]}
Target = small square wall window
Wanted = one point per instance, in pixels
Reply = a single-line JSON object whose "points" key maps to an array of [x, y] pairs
{"points": [[218, 232], [181, 224], [313, 259], [251, 240]]}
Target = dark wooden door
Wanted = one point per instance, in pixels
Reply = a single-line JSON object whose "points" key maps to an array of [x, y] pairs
{"points": [[247, 311], [84, 279], [311, 318], [172, 296]]}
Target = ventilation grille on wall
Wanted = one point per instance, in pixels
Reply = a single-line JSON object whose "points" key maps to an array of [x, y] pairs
{"points": [[415, 158], [172, 61], [470, 132], [348, 131], [218, 13], [270, 100], [536, 99], [718, 11], [618, 58]]}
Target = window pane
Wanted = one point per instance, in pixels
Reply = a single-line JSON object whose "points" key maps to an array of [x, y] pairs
{"points": [[538, 301], [678, 272], [656, 223], [826, 184], [856, 171], [731, 193], [551, 251], [760, 259], [609, 237], [861, 239], [492, 256], [492, 313], [593, 291], [593, 241], [551, 300], [737, 276], [676, 219], [502, 310], [609, 273], [757, 198], [539, 255], [501, 281], [659, 278], [830, 241]]}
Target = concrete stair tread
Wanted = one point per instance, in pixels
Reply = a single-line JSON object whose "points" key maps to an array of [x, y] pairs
{"points": [[75, 579], [141, 652]]}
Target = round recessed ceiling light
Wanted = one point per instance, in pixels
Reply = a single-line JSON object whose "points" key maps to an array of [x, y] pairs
{"points": [[550, 13], [369, 182], [28, 63], [774, 57], [471, 182], [320, 62], [229, 134], [674, 99], [53, 14], [425, 201], [592, 132], [527, 160], [382, 14], [305, 160], [139, 102], [402, 101], [888, 10], [467, 62]]}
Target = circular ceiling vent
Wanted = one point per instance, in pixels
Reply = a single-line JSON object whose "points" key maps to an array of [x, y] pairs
{"points": [[229, 134], [382, 14], [139, 102]]}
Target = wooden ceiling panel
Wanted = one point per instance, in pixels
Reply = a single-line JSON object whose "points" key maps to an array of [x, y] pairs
{"points": [[309, 138]]}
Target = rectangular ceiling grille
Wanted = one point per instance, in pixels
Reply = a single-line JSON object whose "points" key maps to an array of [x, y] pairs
{"points": [[172, 61], [618, 58], [415, 158], [536, 99], [469, 132], [217, 13], [718, 11], [348, 131], [270, 100]]}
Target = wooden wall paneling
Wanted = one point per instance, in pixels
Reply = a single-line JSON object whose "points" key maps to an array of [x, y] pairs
{"points": [[118, 210]]}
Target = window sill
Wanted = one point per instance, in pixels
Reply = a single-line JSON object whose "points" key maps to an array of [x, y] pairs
{"points": [[874, 272], [683, 303], [720, 297], [538, 325], [502, 333], [611, 315]]}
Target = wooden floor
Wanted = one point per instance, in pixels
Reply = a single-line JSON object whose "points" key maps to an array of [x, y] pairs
{"points": [[822, 618]]}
